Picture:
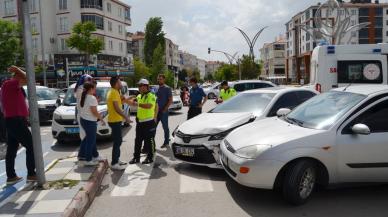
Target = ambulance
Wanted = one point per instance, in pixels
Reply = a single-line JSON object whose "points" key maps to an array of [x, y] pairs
{"points": [[334, 66]]}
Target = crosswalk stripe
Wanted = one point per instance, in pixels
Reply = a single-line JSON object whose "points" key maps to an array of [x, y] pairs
{"points": [[194, 183], [134, 181]]}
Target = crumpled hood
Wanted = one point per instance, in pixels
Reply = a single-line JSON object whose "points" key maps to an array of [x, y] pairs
{"points": [[213, 123], [270, 131]]}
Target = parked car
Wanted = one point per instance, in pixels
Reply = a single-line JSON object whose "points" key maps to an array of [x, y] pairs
{"points": [[212, 91], [197, 140], [64, 124], [47, 102], [241, 86], [336, 137]]}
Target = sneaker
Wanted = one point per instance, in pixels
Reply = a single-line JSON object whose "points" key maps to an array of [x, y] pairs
{"points": [[99, 158], [14, 180], [122, 163], [147, 161], [91, 163], [134, 161], [164, 146], [32, 179], [117, 167]]}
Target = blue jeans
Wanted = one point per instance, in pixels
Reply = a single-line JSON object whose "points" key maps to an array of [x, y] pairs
{"points": [[88, 148], [117, 138], [163, 117]]}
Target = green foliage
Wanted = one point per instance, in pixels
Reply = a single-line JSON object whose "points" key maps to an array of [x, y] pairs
{"points": [[154, 36], [141, 71], [11, 51], [158, 63], [169, 78], [209, 77], [249, 69], [83, 40], [183, 75], [39, 69], [227, 72]]}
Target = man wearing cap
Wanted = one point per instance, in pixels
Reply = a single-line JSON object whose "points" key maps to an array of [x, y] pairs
{"points": [[16, 113], [145, 122], [226, 92]]}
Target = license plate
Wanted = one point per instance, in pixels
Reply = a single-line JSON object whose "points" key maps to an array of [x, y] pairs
{"points": [[185, 151], [74, 130]]}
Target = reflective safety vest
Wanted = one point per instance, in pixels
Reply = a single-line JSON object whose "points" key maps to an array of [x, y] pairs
{"points": [[144, 115], [226, 95]]}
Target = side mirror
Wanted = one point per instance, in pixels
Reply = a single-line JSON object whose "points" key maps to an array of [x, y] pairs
{"points": [[361, 129], [283, 112], [59, 102]]}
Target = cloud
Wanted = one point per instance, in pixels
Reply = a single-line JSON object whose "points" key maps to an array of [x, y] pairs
{"points": [[196, 25]]}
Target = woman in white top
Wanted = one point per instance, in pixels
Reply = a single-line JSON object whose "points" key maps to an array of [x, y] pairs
{"points": [[89, 117], [79, 87]]}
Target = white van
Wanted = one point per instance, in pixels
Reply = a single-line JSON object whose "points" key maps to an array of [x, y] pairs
{"points": [[335, 66], [64, 125]]}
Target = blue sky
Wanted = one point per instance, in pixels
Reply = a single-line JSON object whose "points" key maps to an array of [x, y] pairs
{"points": [[196, 25]]}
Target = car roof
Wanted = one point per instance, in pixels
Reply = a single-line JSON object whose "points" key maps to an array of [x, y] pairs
{"points": [[278, 90], [364, 89], [99, 84], [251, 81]]}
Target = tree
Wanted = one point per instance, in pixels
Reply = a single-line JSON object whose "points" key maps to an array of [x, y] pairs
{"points": [[169, 78], [249, 68], [11, 52], [154, 36], [227, 72], [158, 63], [209, 77], [183, 75], [141, 71], [82, 40]]}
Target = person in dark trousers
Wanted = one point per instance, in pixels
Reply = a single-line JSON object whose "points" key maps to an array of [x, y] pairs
{"points": [[197, 99], [16, 113], [3, 131], [164, 95], [116, 116], [145, 122]]}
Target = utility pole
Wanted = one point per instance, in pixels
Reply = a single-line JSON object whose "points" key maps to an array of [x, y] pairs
{"points": [[42, 44], [31, 88]]}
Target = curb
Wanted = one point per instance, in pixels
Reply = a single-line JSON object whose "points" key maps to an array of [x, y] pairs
{"points": [[84, 198]]}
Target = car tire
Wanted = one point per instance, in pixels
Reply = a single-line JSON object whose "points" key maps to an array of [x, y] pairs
{"points": [[211, 96], [299, 182]]}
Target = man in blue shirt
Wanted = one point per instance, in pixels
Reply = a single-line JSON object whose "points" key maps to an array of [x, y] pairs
{"points": [[197, 99], [164, 95]]}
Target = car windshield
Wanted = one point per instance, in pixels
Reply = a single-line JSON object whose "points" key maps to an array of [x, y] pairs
{"points": [[324, 110], [246, 102], [101, 93], [46, 94]]}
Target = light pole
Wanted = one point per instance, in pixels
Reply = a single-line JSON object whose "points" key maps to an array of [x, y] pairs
{"points": [[251, 43], [31, 88], [231, 58], [42, 45]]}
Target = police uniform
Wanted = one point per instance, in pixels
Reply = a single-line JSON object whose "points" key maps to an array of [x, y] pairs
{"points": [[146, 126], [225, 95]]}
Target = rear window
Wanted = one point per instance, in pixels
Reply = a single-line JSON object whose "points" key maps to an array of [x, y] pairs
{"points": [[241, 87], [361, 72]]}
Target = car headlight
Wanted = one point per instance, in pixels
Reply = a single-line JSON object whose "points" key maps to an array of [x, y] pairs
{"points": [[251, 152], [56, 116], [175, 131], [219, 136]]}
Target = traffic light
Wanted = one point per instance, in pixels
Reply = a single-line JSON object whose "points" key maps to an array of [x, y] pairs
{"points": [[208, 50]]}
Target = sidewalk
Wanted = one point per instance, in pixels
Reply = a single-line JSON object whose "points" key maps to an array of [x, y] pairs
{"points": [[71, 191]]}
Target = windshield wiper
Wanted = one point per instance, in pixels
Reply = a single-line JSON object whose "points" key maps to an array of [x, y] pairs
{"points": [[295, 121]]}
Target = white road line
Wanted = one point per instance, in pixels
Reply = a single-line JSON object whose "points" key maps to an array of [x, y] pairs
{"points": [[20, 151], [2, 174], [191, 182], [134, 181], [45, 154]]}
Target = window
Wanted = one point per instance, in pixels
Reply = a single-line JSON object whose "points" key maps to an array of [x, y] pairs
{"points": [[127, 14], [96, 19], [303, 96], [110, 26], [62, 4], [249, 86], [363, 12], [33, 6], [308, 46], [379, 12], [33, 22], [363, 71], [354, 12], [9, 7], [63, 24], [375, 118], [91, 4], [63, 45], [120, 29], [121, 47], [35, 43], [120, 12], [109, 7], [110, 44], [379, 22], [288, 100]]}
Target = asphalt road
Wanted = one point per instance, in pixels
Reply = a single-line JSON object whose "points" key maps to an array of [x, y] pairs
{"points": [[171, 188]]}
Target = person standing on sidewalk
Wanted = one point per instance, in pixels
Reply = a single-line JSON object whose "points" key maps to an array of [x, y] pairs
{"points": [[164, 96], [3, 131], [197, 99], [116, 116], [16, 114], [89, 116], [145, 122]]}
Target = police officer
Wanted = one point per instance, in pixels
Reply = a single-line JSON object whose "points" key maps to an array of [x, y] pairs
{"points": [[145, 122], [226, 92]]}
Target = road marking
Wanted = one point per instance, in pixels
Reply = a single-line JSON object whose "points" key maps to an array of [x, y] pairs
{"points": [[134, 181], [192, 182], [20, 151], [45, 154], [2, 174]]}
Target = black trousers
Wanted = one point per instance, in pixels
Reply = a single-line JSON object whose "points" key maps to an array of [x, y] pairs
{"points": [[193, 111], [18, 133], [145, 132], [3, 131], [117, 138]]}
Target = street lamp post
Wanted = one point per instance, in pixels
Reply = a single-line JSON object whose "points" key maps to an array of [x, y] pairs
{"points": [[42, 45], [231, 58], [251, 43], [31, 88]]}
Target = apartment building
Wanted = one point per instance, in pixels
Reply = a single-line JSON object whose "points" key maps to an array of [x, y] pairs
{"points": [[137, 45], [273, 56], [52, 21], [201, 66], [300, 44], [212, 67], [188, 60], [172, 55]]}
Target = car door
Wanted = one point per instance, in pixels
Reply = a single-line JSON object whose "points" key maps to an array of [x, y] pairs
{"points": [[287, 100], [364, 158]]}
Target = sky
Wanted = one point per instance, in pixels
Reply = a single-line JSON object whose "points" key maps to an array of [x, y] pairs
{"points": [[196, 25]]}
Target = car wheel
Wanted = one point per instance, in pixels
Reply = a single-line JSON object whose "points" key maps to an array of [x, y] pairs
{"points": [[211, 96], [299, 182]]}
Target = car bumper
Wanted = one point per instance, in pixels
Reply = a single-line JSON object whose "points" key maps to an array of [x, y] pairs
{"points": [[205, 154], [175, 107], [262, 173], [59, 131]]}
